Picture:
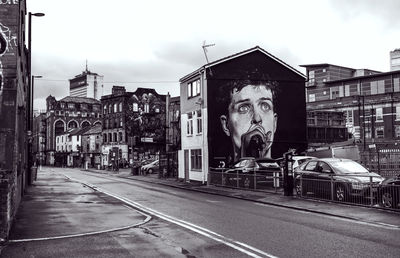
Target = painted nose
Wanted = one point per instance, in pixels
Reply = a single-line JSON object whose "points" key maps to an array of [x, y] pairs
{"points": [[256, 118]]}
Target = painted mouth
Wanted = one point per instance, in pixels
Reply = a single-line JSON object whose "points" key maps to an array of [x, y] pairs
{"points": [[256, 142]]}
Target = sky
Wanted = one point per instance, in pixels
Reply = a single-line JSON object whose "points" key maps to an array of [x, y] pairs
{"points": [[154, 43]]}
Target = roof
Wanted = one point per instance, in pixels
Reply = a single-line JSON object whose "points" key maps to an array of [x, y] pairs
{"points": [[245, 52], [364, 76], [80, 100], [79, 131], [326, 64], [95, 129]]}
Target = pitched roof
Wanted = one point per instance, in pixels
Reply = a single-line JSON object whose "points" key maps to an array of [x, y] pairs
{"points": [[95, 129], [80, 100], [245, 52]]}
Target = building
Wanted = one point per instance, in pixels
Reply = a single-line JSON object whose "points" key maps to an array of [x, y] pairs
{"points": [[14, 111], [395, 60], [69, 147], [370, 102], [39, 138], [91, 146], [326, 127], [173, 122], [133, 125], [87, 85], [68, 113], [210, 139]]}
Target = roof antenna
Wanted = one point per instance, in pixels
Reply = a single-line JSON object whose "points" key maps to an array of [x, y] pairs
{"points": [[86, 66], [205, 52]]}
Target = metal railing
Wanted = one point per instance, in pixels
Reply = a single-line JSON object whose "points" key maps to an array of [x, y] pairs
{"points": [[251, 179], [343, 188]]}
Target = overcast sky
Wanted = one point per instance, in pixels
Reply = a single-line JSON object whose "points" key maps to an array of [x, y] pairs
{"points": [[149, 43]]}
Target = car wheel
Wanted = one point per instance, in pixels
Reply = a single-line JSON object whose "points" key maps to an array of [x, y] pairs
{"points": [[299, 189], [150, 171], [340, 193], [387, 200]]}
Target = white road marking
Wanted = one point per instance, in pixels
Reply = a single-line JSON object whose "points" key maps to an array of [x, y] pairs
{"points": [[239, 246]]}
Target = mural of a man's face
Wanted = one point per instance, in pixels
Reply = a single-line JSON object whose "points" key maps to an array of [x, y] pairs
{"points": [[251, 121]]}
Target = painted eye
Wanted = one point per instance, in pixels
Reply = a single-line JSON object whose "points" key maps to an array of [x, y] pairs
{"points": [[244, 108], [265, 106]]}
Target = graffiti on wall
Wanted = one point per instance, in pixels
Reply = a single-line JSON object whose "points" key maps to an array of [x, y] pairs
{"points": [[8, 41]]}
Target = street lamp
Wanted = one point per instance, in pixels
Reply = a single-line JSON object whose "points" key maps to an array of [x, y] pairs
{"points": [[30, 92]]}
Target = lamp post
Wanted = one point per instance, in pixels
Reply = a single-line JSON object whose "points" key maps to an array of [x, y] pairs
{"points": [[30, 93]]}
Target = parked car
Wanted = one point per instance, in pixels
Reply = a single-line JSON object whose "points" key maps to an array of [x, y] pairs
{"points": [[250, 172], [389, 192], [150, 168], [298, 160], [344, 177]]}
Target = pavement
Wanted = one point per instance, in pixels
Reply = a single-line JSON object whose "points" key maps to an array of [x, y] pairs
{"points": [[56, 207]]}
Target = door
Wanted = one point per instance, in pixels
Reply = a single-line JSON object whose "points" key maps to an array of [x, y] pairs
{"points": [[186, 165]]}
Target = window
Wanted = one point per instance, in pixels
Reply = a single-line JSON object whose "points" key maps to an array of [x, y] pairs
{"points": [[379, 115], [346, 90], [71, 105], [62, 104], [115, 137], [199, 122], [334, 92], [379, 132], [196, 159], [110, 139], [311, 97], [193, 88], [120, 136], [121, 124], [110, 109], [397, 131], [120, 107], [397, 112], [146, 108], [349, 117], [135, 107], [105, 137], [396, 84], [115, 108], [190, 124], [116, 122]]}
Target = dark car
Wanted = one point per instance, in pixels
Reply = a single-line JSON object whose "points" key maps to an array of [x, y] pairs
{"points": [[252, 173], [389, 192], [338, 179]]}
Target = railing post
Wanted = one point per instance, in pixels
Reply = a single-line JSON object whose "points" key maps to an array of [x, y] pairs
{"points": [[332, 188], [371, 194], [301, 185], [237, 178], [255, 178]]}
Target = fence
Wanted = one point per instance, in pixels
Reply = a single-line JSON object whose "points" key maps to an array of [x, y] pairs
{"points": [[252, 179], [365, 191], [385, 162]]}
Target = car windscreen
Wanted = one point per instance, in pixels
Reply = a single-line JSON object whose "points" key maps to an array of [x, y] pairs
{"points": [[348, 167], [268, 164]]}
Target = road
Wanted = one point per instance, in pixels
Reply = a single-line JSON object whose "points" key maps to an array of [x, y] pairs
{"points": [[258, 229]]}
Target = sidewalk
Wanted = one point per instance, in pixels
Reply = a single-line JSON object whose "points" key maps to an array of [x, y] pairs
{"points": [[358, 213], [55, 207]]}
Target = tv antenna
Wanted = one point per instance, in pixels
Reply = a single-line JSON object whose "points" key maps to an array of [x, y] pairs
{"points": [[205, 46]]}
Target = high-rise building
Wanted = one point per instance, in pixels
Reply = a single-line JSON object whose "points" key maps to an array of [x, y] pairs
{"points": [[86, 84], [395, 60]]}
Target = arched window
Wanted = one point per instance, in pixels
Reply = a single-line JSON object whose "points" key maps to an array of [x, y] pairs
{"points": [[85, 124], [72, 124], [115, 108], [135, 107], [105, 109], [120, 107], [110, 109], [59, 127]]}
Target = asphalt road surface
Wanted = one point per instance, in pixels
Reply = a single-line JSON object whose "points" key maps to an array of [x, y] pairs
{"points": [[192, 224]]}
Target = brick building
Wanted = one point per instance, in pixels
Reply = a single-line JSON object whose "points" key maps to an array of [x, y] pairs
{"points": [[68, 113], [14, 111], [91, 146], [133, 125], [370, 103]]}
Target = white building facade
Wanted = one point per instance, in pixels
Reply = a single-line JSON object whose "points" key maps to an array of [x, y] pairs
{"points": [[87, 84]]}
